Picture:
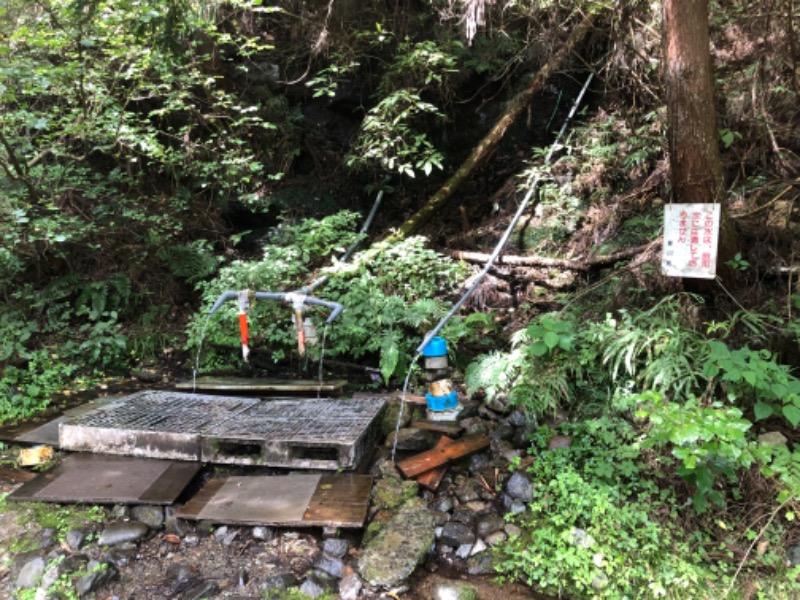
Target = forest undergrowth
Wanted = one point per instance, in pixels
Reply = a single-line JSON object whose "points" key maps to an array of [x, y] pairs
{"points": [[151, 159]]}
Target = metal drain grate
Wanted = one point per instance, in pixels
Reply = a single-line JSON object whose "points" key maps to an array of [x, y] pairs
{"points": [[310, 433]]}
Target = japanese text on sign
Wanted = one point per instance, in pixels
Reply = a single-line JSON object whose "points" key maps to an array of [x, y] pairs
{"points": [[691, 232]]}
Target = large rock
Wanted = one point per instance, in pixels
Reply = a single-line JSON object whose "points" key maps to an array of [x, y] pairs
{"points": [[390, 415], [318, 584], [411, 438], [457, 534], [391, 492], [793, 555], [31, 572], [337, 547], [395, 552], [120, 532], [152, 516], [489, 524], [98, 575], [350, 586], [520, 486]]}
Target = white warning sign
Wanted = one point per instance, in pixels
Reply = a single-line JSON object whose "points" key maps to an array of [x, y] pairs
{"points": [[691, 233]]}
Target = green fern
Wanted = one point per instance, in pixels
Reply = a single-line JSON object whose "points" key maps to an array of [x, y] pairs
{"points": [[191, 262], [653, 348]]}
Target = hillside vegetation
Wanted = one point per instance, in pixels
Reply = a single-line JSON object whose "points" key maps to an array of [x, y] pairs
{"points": [[155, 154]]}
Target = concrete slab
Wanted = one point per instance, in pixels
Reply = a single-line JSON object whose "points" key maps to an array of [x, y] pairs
{"points": [[338, 500], [104, 479], [294, 433], [45, 431]]}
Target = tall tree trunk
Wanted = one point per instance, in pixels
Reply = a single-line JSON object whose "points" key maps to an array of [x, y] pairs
{"points": [[695, 165]]}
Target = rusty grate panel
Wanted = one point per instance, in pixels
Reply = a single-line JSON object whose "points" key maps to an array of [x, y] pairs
{"points": [[297, 433]]}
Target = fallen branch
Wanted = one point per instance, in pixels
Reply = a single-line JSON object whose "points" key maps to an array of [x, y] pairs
{"points": [[557, 263], [491, 140]]}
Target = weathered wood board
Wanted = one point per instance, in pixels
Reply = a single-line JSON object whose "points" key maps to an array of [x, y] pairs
{"points": [[257, 385], [446, 427], [438, 456], [431, 479]]}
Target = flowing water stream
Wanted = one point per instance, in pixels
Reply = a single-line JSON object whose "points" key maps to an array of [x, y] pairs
{"points": [[403, 402], [322, 357], [197, 356]]}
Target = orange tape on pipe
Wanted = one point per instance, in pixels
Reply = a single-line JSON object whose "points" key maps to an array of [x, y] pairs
{"points": [[243, 328]]}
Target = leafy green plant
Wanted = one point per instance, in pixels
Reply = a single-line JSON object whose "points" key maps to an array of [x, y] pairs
{"points": [[707, 440], [389, 139], [592, 529], [548, 367], [190, 262], [116, 162], [326, 81], [391, 293], [25, 391], [737, 263], [653, 348], [754, 378]]}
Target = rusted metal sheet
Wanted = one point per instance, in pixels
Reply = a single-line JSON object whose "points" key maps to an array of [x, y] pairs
{"points": [[254, 385], [290, 500], [107, 479], [293, 433]]}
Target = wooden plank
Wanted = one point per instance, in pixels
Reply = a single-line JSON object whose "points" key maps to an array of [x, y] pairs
{"points": [[247, 384], [414, 399], [431, 479], [109, 479], [446, 427], [171, 483], [340, 501], [436, 457]]}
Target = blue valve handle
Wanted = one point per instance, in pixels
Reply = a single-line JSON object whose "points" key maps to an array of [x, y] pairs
{"points": [[297, 300]]}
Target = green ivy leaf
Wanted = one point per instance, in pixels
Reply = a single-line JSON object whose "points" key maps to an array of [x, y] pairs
{"points": [[792, 414], [703, 478], [763, 410], [551, 339], [750, 377], [539, 348]]}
